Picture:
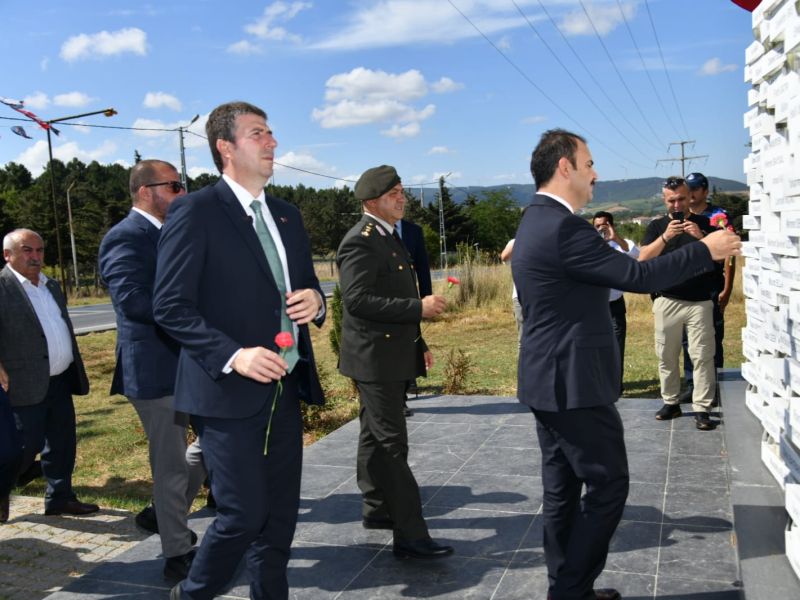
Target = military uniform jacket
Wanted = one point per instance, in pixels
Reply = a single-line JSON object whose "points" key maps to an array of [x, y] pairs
{"points": [[382, 310], [23, 345]]}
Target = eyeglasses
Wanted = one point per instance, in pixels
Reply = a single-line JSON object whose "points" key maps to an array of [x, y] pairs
{"points": [[177, 186], [673, 183]]}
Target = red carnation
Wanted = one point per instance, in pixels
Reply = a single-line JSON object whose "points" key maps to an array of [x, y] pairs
{"points": [[451, 281], [284, 340]]}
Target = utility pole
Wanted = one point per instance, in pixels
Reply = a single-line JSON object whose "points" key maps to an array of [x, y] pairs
{"points": [[72, 240], [683, 157], [442, 242], [181, 131]]}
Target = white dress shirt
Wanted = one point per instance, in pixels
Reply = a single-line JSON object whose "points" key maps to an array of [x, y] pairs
{"points": [[156, 223], [245, 199], [59, 342], [633, 252]]}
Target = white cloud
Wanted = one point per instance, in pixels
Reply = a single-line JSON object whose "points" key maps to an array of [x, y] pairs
{"points": [[366, 84], [421, 21], [197, 171], [604, 17], [534, 120], [151, 127], [446, 85], [363, 96], [244, 47], [159, 99], [104, 43], [504, 43], [72, 99], [440, 150], [714, 66], [402, 131], [37, 101], [35, 157], [448, 176], [263, 28], [150, 124], [302, 160]]}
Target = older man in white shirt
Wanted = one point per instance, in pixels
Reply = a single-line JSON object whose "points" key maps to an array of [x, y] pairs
{"points": [[40, 354], [604, 224]]}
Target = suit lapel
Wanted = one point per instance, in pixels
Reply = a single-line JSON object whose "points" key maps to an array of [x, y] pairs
{"points": [[242, 224], [24, 301], [142, 223]]}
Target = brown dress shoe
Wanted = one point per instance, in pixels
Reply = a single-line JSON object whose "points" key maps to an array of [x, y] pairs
{"points": [[607, 594], [73, 507]]}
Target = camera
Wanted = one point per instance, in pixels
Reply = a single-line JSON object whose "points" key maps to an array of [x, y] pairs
{"points": [[677, 216]]}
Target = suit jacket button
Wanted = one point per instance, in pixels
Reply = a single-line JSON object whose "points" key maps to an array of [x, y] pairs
{"points": [[400, 267], [387, 336]]}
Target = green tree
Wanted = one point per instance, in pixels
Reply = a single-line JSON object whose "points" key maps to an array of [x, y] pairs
{"points": [[495, 218]]}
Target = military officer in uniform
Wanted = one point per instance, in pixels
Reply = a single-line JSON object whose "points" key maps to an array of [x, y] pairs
{"points": [[381, 349]]}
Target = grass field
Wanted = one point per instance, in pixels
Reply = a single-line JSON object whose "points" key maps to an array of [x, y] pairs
{"points": [[112, 467]]}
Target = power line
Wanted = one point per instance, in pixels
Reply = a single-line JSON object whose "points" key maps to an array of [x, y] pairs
{"points": [[542, 92], [616, 69], [594, 79], [203, 137], [644, 67], [577, 83], [666, 72]]}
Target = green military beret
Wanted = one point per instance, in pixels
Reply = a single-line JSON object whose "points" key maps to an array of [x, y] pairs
{"points": [[375, 182]]}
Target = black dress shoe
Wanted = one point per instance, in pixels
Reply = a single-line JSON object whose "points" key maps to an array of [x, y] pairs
{"points": [[424, 548], [607, 594], [176, 568], [175, 592], [667, 412], [4, 508], [146, 519], [29, 474], [702, 422], [377, 523], [73, 507]]}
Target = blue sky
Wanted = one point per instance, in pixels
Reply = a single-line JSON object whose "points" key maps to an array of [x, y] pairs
{"points": [[432, 87]]}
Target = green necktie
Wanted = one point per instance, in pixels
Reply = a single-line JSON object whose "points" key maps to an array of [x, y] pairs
{"points": [[271, 251]]}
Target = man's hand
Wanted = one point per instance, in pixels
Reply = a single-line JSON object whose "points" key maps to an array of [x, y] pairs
{"points": [[693, 230], [3, 379], [674, 228], [432, 306], [428, 360], [302, 306], [722, 244], [259, 364]]}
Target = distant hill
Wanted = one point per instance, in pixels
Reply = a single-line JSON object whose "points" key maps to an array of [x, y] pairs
{"points": [[641, 196]]}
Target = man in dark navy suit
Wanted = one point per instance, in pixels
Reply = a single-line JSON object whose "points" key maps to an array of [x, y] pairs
{"points": [[147, 358], [234, 270], [414, 240], [569, 361]]}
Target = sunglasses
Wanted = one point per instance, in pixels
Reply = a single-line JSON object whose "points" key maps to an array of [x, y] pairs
{"points": [[176, 186], [673, 183]]}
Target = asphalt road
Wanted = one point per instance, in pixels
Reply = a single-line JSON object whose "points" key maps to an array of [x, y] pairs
{"points": [[100, 317]]}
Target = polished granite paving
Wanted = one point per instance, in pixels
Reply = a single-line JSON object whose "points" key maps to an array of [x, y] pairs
{"points": [[476, 459]]}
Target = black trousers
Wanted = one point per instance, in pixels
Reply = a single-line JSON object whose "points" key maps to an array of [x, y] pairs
{"points": [[583, 446], [620, 323], [11, 446], [257, 498], [388, 487]]}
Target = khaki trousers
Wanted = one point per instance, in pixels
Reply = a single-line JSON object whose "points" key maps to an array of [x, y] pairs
{"points": [[670, 318]]}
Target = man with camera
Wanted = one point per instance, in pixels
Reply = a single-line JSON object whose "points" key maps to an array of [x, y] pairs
{"points": [[686, 305]]}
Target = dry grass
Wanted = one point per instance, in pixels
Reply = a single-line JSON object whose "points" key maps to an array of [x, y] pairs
{"points": [[112, 466]]}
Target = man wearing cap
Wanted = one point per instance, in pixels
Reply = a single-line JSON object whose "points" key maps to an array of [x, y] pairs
{"points": [[725, 272], [381, 349], [686, 305]]}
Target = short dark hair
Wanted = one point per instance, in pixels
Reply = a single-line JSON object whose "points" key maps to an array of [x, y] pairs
{"points": [[603, 214], [221, 125], [144, 172], [554, 145]]}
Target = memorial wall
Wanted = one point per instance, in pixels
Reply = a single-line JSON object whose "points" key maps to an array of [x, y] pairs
{"points": [[771, 272]]}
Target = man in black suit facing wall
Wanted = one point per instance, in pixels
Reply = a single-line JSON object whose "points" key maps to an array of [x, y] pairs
{"points": [[569, 360]]}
